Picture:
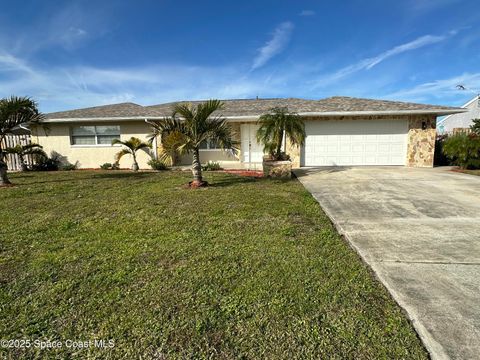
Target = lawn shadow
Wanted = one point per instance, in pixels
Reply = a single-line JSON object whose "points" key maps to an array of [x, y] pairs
{"points": [[232, 180], [319, 170], [122, 175]]}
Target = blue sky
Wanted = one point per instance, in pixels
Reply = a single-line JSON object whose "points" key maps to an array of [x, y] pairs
{"points": [[70, 54]]}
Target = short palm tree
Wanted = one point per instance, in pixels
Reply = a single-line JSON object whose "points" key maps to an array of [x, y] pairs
{"points": [[130, 147], [24, 150], [168, 153], [275, 126], [197, 125], [14, 112]]}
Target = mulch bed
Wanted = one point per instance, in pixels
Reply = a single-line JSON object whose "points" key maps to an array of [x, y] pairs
{"points": [[248, 173]]}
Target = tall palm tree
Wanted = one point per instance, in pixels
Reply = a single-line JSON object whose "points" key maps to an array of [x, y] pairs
{"points": [[131, 147], [197, 125], [275, 126], [24, 150], [15, 112]]}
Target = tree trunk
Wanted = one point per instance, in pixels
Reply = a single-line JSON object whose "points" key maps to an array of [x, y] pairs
{"points": [[197, 168], [135, 166], [279, 145], [3, 174]]}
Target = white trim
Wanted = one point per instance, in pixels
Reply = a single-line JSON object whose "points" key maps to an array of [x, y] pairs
{"points": [[463, 106], [95, 146], [437, 112]]}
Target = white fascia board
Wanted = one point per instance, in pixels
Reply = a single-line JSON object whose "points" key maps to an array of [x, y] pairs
{"points": [[99, 119], [385, 112], [468, 103], [437, 112]]}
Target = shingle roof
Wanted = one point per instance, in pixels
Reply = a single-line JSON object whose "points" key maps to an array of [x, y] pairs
{"points": [[121, 110], [256, 107]]}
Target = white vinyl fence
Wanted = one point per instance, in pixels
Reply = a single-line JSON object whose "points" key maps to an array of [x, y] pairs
{"points": [[13, 161]]}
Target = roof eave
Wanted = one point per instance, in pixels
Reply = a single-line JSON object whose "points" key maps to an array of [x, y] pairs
{"points": [[438, 112]]}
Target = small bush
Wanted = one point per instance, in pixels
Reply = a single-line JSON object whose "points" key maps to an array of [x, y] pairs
{"points": [[109, 166], [463, 150], [156, 164], [211, 166], [69, 167], [440, 159], [46, 163]]}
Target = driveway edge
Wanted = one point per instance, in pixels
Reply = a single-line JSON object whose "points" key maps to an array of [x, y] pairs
{"points": [[434, 348]]}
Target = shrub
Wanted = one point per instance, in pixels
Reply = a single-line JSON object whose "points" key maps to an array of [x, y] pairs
{"points": [[440, 159], [69, 167], [109, 166], [156, 164], [475, 127], [211, 166], [463, 150], [47, 163]]}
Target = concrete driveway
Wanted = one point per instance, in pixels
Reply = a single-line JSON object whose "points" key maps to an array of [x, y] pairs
{"points": [[419, 230]]}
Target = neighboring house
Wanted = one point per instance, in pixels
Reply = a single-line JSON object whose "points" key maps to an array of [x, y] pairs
{"points": [[461, 120], [340, 131]]}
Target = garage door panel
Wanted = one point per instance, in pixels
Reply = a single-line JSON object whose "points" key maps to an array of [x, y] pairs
{"points": [[355, 142]]}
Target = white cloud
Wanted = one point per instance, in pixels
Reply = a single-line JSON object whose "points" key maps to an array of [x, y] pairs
{"points": [[278, 42], [8, 62], [59, 87], [72, 36], [307, 13], [440, 89], [368, 63], [412, 45]]}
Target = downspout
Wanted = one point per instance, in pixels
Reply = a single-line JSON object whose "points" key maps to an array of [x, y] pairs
{"points": [[154, 143]]}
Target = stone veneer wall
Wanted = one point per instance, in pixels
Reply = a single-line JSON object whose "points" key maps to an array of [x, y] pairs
{"points": [[420, 142]]}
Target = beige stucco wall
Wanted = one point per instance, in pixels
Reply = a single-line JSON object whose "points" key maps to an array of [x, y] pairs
{"points": [[57, 139], [226, 158], [420, 145]]}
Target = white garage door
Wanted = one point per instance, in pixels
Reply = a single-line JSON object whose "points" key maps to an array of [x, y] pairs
{"points": [[355, 142]]}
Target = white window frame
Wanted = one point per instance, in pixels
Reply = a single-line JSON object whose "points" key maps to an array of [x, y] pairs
{"points": [[96, 137], [209, 149]]}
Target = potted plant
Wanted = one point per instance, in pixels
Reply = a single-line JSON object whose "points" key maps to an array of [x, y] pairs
{"points": [[275, 127]]}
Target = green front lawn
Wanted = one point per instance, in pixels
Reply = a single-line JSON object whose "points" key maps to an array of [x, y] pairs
{"points": [[471, 172], [244, 269]]}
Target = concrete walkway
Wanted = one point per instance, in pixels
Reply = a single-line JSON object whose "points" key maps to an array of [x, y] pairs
{"points": [[419, 230]]}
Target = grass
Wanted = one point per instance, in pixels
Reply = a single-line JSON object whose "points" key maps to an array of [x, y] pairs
{"points": [[244, 269], [471, 172]]}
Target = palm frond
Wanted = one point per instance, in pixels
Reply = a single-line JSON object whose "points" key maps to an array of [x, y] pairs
{"points": [[16, 111], [121, 154], [277, 123]]}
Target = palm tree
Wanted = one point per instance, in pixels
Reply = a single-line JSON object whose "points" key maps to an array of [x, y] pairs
{"points": [[131, 147], [24, 150], [168, 153], [15, 112], [197, 125], [275, 126]]}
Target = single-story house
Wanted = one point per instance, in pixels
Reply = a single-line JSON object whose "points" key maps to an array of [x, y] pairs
{"points": [[462, 120], [340, 131]]}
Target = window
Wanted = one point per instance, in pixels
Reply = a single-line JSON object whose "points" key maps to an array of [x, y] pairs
{"points": [[95, 135], [209, 145]]}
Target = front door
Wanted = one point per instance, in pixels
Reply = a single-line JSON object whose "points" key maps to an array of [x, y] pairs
{"points": [[252, 151]]}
